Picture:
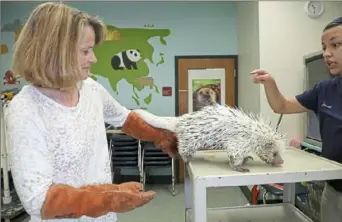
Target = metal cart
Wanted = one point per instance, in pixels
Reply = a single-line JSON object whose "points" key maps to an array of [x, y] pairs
{"points": [[211, 169]]}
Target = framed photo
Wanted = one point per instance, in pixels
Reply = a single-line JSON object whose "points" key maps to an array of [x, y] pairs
{"points": [[206, 87]]}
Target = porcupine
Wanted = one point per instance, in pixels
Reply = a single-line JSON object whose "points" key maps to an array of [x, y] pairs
{"points": [[221, 127]]}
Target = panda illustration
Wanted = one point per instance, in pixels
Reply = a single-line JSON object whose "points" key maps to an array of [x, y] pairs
{"points": [[126, 59]]}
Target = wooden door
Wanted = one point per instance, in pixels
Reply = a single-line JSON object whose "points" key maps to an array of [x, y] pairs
{"points": [[183, 64]]}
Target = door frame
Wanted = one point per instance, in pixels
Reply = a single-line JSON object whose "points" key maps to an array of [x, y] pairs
{"points": [[177, 58], [180, 178]]}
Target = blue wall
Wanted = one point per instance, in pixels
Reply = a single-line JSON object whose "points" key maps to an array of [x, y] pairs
{"points": [[197, 28]]}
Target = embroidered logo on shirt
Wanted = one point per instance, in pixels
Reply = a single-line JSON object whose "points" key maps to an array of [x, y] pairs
{"points": [[325, 105]]}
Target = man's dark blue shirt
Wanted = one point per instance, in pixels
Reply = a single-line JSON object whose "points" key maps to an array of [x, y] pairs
{"points": [[325, 99]]}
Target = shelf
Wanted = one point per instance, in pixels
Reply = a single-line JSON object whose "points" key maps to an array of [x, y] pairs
{"points": [[254, 213]]}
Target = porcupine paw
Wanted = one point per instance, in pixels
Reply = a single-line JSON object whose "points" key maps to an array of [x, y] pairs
{"points": [[246, 159], [241, 169], [236, 164]]}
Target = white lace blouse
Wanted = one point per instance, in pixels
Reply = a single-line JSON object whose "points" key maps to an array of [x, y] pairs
{"points": [[51, 143]]}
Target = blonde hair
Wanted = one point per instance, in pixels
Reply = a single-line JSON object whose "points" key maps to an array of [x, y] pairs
{"points": [[46, 51]]}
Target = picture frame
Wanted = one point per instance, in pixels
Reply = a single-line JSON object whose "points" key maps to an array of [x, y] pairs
{"points": [[205, 87]]}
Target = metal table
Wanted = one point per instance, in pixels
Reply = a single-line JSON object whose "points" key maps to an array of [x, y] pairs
{"points": [[211, 169]]}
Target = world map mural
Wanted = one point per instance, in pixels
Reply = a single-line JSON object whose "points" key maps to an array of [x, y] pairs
{"points": [[125, 55]]}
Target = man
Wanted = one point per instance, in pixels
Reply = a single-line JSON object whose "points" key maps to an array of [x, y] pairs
{"points": [[325, 99]]}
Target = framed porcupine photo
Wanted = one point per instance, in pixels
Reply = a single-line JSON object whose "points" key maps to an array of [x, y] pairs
{"points": [[206, 87]]}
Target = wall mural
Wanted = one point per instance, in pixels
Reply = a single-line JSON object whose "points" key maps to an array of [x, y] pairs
{"points": [[124, 56]]}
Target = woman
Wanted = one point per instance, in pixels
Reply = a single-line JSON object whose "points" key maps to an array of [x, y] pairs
{"points": [[325, 99], [56, 132]]}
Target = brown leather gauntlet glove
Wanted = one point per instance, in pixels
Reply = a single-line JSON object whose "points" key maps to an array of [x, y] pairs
{"points": [[63, 201], [136, 127], [128, 186]]}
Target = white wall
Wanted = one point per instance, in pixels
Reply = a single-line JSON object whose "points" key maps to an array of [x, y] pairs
{"points": [[286, 34], [248, 49]]}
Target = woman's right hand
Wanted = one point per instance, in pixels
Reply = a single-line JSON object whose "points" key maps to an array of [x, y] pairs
{"points": [[261, 76], [124, 197], [124, 201], [65, 201], [133, 187]]}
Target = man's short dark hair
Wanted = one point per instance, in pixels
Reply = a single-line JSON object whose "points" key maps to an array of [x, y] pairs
{"points": [[334, 23]]}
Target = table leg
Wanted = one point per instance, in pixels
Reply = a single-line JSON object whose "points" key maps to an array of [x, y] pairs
{"points": [[199, 199], [187, 192], [289, 193]]}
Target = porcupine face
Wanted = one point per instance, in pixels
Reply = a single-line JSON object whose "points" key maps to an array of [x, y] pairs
{"points": [[271, 153]]}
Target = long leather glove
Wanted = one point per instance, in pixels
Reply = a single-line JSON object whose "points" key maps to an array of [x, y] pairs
{"points": [[134, 187], [138, 128], [64, 201]]}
